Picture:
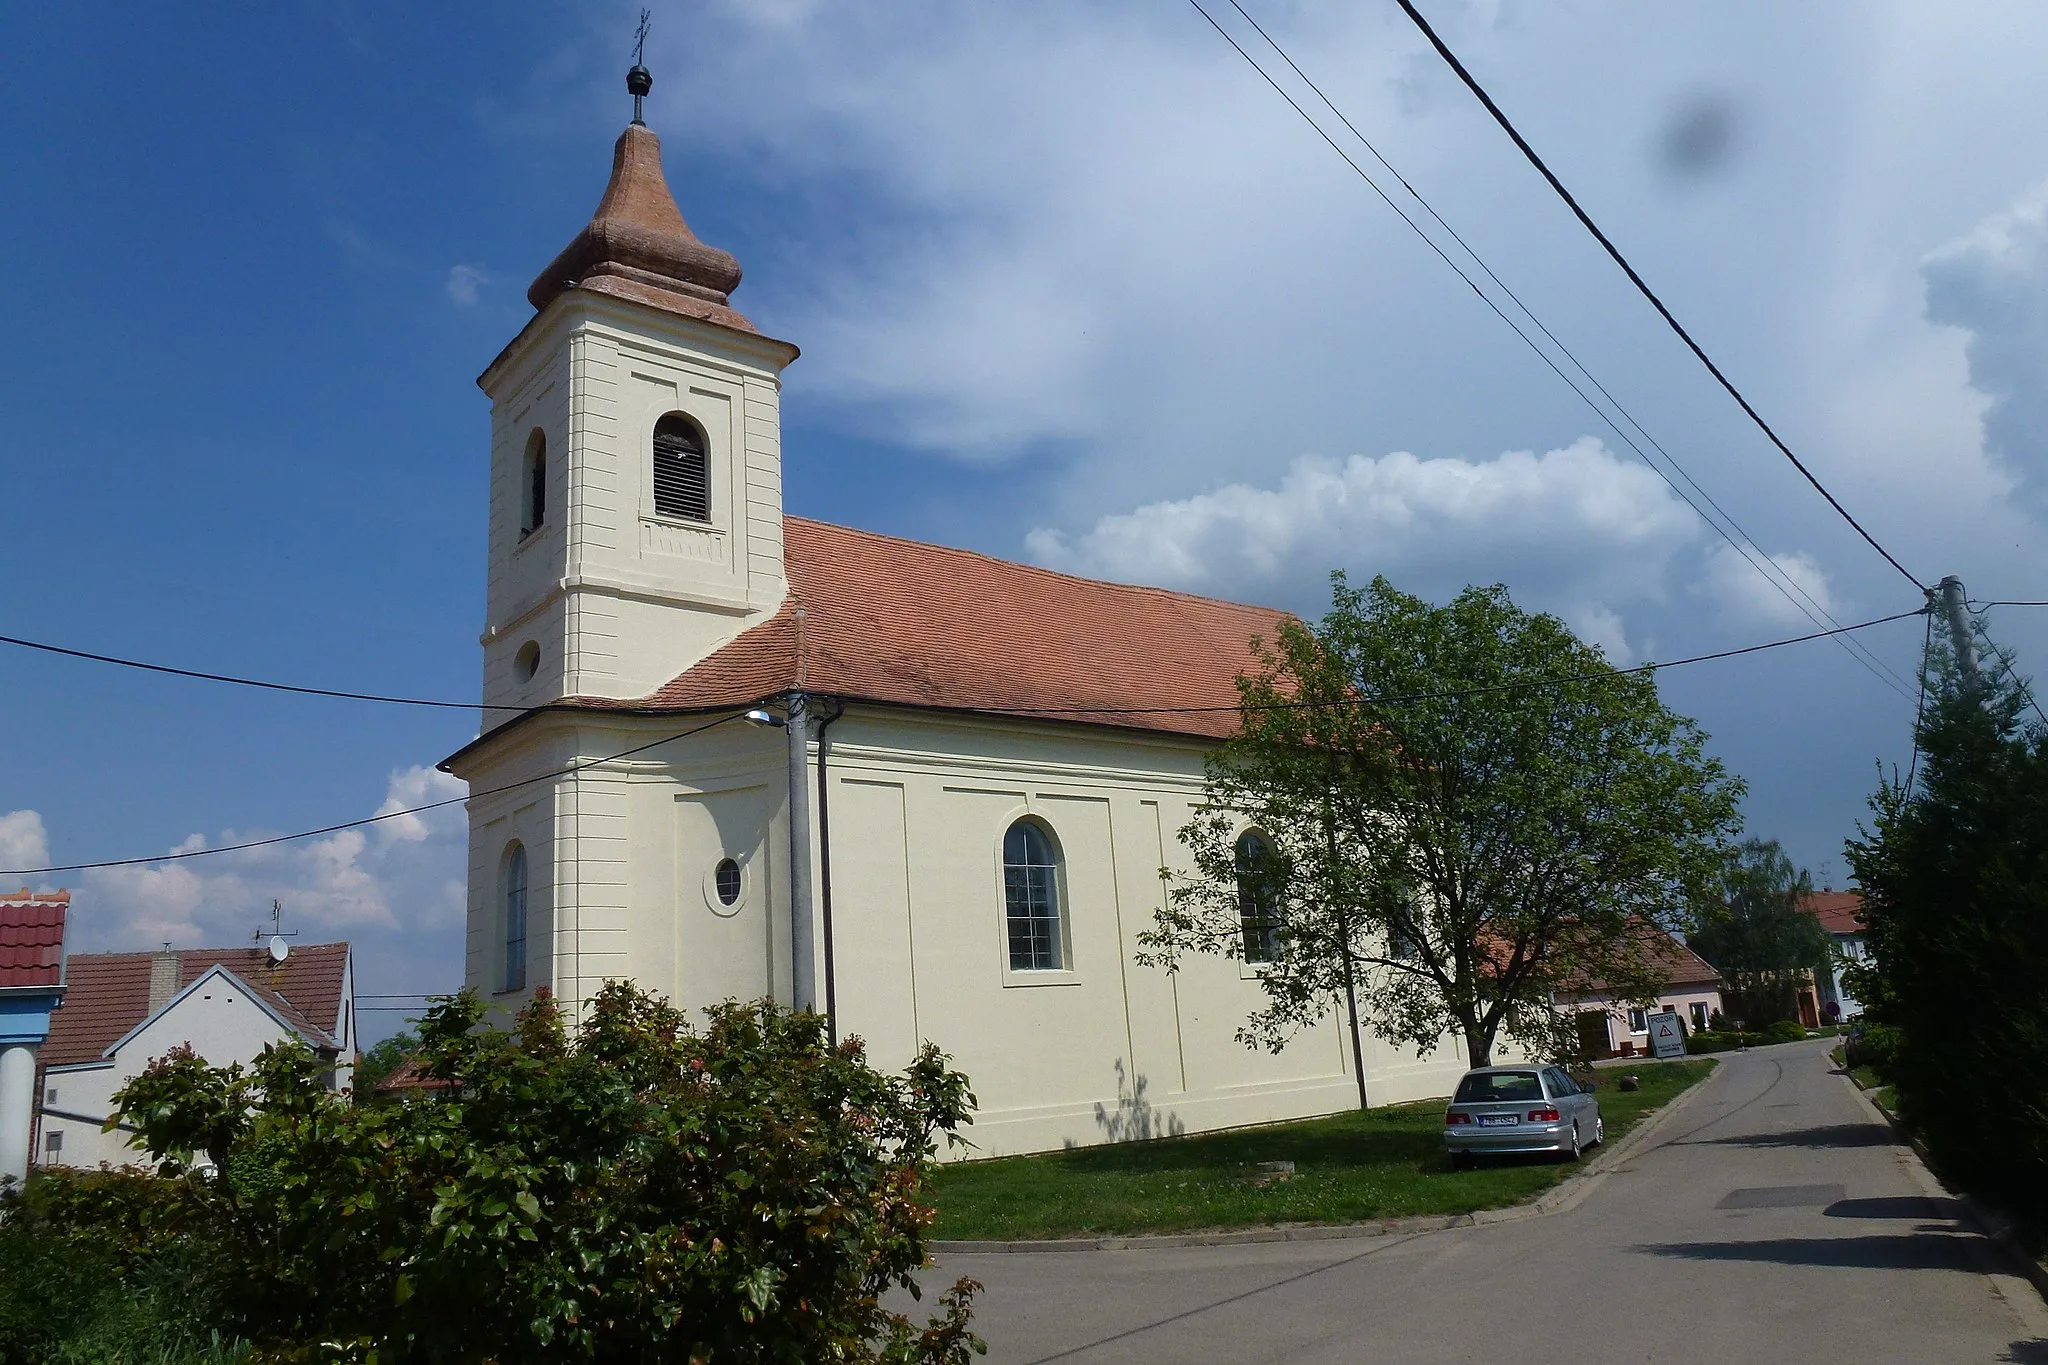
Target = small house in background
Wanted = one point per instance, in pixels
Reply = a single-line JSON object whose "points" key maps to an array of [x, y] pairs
{"points": [[1612, 1027], [1841, 914], [31, 985], [124, 1010]]}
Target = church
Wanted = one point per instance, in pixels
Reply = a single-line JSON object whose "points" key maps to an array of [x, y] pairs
{"points": [[729, 752]]}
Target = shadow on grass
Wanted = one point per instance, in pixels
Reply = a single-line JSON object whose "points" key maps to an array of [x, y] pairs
{"points": [[1345, 1140]]}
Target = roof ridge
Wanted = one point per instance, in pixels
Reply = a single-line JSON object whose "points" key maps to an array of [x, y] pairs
{"points": [[1153, 589]]}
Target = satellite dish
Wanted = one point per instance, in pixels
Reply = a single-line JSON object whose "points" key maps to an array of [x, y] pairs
{"points": [[279, 950]]}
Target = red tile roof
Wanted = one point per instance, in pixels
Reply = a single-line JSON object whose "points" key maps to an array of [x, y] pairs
{"points": [[32, 938], [1676, 964], [874, 618], [1839, 912], [109, 994]]}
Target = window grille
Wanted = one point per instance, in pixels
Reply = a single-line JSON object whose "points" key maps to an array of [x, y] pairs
{"points": [[1031, 897], [515, 919], [682, 475], [1257, 906], [726, 876]]}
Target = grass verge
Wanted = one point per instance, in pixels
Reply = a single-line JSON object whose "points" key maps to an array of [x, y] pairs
{"points": [[1349, 1168]]}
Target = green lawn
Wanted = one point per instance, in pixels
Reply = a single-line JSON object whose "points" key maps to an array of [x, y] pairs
{"points": [[1349, 1168]]}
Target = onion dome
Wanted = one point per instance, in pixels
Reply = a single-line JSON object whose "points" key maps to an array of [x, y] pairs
{"points": [[637, 246]]}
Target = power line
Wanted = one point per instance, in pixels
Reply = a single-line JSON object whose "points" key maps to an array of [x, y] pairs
{"points": [[1402, 699], [249, 682], [1773, 573], [367, 820], [2010, 671], [1761, 561], [1643, 287], [1391, 700]]}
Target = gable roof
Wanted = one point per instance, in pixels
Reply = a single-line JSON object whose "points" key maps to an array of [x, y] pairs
{"points": [[1675, 963], [878, 619], [1839, 912], [108, 995], [32, 939]]}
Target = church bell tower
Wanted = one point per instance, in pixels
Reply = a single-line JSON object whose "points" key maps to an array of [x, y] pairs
{"points": [[636, 459]]}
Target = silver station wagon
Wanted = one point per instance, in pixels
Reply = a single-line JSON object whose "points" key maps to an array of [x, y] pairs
{"points": [[1500, 1110]]}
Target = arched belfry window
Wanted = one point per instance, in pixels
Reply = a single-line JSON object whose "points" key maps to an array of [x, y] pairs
{"points": [[1031, 898], [682, 470], [533, 484], [1258, 901], [515, 918]]}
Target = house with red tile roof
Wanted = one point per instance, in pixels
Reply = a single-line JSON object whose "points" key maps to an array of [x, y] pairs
{"points": [[1612, 1025], [1841, 914], [124, 1010], [31, 986], [736, 753]]}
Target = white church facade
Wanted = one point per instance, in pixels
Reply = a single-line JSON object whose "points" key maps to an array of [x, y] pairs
{"points": [[992, 766]]}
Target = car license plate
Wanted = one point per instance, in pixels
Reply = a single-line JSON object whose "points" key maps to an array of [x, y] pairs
{"points": [[1498, 1120]]}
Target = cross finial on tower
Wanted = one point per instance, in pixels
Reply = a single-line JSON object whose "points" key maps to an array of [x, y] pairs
{"points": [[639, 80]]}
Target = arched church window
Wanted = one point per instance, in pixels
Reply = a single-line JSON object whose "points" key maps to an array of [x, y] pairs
{"points": [[515, 918], [1031, 897], [1258, 901], [682, 475], [533, 498]]}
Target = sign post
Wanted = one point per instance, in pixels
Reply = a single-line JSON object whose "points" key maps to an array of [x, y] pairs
{"points": [[1667, 1035]]}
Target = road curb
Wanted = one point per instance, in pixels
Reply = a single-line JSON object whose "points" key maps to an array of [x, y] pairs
{"points": [[1994, 1226], [1575, 1187]]}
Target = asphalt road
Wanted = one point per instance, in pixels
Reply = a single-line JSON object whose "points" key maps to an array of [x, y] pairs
{"points": [[1772, 1218]]}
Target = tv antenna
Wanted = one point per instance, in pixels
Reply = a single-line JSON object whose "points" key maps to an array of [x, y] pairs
{"points": [[277, 934], [639, 80]]}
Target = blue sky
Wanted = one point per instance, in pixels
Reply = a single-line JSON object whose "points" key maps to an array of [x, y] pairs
{"points": [[1072, 286]]}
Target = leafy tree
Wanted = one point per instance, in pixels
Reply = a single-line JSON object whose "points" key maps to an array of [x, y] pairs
{"points": [[382, 1058], [1754, 930], [1954, 873], [638, 1191], [1464, 809]]}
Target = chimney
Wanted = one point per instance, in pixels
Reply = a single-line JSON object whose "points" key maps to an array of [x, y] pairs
{"points": [[163, 978]]}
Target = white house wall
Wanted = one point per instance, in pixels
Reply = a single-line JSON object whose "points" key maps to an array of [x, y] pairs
{"points": [[219, 1021], [918, 806]]}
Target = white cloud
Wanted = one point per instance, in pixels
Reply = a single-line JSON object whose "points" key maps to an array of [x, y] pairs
{"points": [[1746, 596], [23, 841], [1993, 282], [1575, 530], [463, 283], [394, 889]]}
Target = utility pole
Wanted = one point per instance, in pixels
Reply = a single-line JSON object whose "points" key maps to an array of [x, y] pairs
{"points": [[1960, 637]]}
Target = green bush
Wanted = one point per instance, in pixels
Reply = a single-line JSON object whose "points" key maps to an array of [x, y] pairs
{"points": [[1727, 1040], [1875, 1046], [639, 1191], [66, 1301], [1786, 1031]]}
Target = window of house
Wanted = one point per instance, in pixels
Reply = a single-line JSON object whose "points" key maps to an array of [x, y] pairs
{"points": [[1257, 904], [1638, 1019], [1031, 897], [53, 1142], [515, 918], [1699, 1016], [682, 472], [533, 484], [726, 878]]}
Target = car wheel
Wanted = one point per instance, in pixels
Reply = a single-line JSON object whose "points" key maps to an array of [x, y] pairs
{"points": [[1600, 1131], [1576, 1150]]}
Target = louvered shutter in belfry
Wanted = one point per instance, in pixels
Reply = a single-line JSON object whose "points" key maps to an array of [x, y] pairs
{"points": [[682, 486]]}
